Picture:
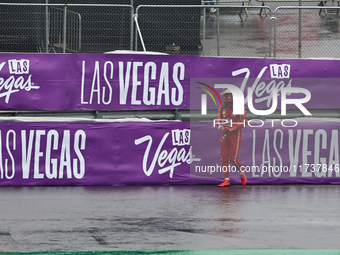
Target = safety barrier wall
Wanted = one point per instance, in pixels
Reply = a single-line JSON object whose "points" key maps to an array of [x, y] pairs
{"points": [[168, 153], [81, 81], [80, 151]]}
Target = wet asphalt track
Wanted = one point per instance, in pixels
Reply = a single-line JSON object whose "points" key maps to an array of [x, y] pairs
{"points": [[204, 217]]}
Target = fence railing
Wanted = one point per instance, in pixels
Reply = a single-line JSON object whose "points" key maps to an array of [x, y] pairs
{"points": [[61, 26], [229, 30], [311, 34], [28, 27], [192, 29]]}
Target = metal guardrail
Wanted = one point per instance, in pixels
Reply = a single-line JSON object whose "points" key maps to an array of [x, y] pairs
{"points": [[285, 1], [174, 114]]}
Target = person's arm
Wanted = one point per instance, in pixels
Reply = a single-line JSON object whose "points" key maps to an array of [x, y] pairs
{"points": [[219, 125], [242, 123], [220, 120]]}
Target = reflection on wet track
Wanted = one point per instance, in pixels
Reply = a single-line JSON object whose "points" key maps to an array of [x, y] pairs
{"points": [[201, 217]]}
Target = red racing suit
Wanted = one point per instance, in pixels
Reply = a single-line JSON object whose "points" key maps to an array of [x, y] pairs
{"points": [[230, 143]]}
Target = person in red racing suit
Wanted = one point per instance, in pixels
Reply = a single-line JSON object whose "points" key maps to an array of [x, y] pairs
{"points": [[230, 141]]}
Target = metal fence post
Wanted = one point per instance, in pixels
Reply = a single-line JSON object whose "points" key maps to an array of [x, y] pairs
{"points": [[270, 37], [136, 33], [131, 28], [204, 29], [79, 40], [47, 28], [218, 29], [300, 29], [275, 30], [139, 32], [64, 30]]}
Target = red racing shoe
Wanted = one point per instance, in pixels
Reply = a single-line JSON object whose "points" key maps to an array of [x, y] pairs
{"points": [[225, 183], [243, 179]]}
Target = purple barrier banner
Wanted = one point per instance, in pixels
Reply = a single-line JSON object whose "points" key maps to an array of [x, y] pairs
{"points": [[274, 152], [164, 153], [61, 82], [94, 81], [319, 78], [95, 153]]}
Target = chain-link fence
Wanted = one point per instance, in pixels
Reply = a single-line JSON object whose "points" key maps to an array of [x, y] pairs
{"points": [[55, 37], [307, 32], [232, 28], [230, 31], [65, 28], [237, 32], [22, 28], [170, 28]]}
